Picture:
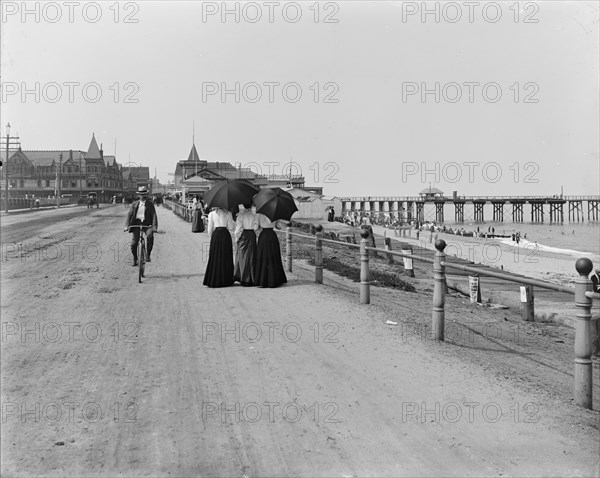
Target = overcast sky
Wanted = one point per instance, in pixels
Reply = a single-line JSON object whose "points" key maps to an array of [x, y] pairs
{"points": [[516, 109]]}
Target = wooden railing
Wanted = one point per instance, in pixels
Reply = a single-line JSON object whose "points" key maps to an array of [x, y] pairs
{"points": [[180, 210], [581, 292]]}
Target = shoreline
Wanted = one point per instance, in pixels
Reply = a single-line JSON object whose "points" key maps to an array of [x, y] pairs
{"points": [[523, 259]]}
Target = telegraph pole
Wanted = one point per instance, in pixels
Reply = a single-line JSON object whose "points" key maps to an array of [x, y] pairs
{"points": [[5, 166], [80, 178], [60, 156]]}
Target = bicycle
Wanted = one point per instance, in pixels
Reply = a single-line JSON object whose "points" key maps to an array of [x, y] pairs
{"points": [[141, 251]]}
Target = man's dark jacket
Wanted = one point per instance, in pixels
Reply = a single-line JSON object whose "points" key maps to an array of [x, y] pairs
{"points": [[150, 218]]}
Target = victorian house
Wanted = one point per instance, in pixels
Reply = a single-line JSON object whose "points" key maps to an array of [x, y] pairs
{"points": [[70, 173]]}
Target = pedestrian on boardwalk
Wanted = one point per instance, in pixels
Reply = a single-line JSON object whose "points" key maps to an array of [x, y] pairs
{"points": [[219, 270], [246, 226], [197, 220], [269, 268]]}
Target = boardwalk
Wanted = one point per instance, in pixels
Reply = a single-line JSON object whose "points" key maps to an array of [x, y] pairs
{"points": [[111, 377]]}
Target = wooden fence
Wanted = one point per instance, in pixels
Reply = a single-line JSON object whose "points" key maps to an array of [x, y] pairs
{"points": [[582, 293]]}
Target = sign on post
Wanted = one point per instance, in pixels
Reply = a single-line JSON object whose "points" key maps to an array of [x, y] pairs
{"points": [[474, 289], [408, 262]]}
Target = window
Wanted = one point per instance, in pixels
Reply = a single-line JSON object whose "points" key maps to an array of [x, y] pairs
{"points": [[21, 183], [39, 183], [47, 183], [73, 184]]}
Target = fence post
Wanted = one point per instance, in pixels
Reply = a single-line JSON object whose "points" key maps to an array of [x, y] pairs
{"points": [[319, 254], [388, 247], [527, 307], [583, 337], [288, 245], [439, 291], [365, 291]]}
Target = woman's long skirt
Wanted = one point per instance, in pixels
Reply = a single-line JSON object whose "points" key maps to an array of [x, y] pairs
{"points": [[269, 269], [219, 270], [245, 260], [197, 221]]}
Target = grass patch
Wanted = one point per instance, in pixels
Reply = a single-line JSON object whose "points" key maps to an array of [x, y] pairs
{"points": [[345, 261]]}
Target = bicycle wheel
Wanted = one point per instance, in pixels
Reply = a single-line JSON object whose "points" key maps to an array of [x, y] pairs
{"points": [[141, 259]]}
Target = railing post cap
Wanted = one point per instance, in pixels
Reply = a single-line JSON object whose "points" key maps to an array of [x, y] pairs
{"points": [[440, 245], [364, 233], [584, 266], [319, 228]]}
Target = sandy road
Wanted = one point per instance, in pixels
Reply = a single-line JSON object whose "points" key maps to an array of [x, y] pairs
{"points": [[102, 376]]}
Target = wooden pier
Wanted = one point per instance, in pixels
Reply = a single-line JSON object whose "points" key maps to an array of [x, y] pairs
{"points": [[541, 208]]}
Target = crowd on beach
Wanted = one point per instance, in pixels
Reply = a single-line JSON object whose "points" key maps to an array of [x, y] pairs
{"points": [[360, 219], [258, 257]]}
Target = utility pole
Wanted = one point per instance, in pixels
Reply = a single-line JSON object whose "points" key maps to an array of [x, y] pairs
{"points": [[80, 177], [5, 166], [58, 179]]}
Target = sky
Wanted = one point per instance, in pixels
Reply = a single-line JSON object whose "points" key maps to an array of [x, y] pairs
{"points": [[377, 98]]}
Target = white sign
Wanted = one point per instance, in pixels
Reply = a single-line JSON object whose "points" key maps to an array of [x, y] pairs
{"points": [[408, 263], [474, 288], [523, 293]]}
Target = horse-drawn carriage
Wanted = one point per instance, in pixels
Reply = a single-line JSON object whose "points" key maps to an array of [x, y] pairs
{"points": [[92, 199]]}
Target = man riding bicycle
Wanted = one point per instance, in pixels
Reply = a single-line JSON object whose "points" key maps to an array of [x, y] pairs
{"points": [[141, 213]]}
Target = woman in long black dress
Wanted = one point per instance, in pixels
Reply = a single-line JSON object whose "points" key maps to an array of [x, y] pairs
{"points": [[197, 219], [219, 270], [246, 224], [269, 269]]}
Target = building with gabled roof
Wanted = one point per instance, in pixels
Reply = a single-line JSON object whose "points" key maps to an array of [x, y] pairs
{"points": [[217, 171], [71, 172]]}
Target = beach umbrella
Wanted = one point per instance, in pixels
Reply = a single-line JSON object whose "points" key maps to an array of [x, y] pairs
{"points": [[230, 195], [275, 203]]}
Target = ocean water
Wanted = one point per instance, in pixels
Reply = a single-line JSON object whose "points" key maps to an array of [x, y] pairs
{"points": [[576, 239]]}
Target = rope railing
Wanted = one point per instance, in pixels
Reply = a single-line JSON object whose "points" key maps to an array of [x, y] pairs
{"points": [[582, 292]]}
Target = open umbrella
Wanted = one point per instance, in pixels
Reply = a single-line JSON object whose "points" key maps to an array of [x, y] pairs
{"points": [[275, 203], [230, 195]]}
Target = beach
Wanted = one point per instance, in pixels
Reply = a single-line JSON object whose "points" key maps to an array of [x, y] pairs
{"points": [[525, 258]]}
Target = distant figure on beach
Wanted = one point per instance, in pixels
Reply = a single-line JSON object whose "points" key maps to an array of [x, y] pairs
{"points": [[595, 278], [330, 214]]}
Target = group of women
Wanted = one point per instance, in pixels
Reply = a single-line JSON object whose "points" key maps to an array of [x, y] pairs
{"points": [[257, 261]]}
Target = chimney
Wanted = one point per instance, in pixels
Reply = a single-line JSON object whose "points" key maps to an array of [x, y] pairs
{"points": [[101, 152]]}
